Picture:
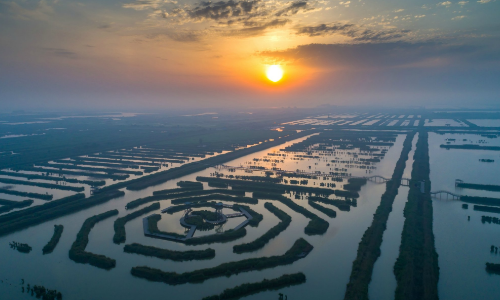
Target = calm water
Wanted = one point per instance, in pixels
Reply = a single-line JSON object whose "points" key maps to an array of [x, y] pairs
{"points": [[464, 246], [327, 267]]}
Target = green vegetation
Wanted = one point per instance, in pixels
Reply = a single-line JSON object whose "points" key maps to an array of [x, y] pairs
{"points": [[189, 168], [221, 185], [355, 184], [169, 254], [26, 194], [493, 268], [91, 169], [43, 185], [52, 178], [205, 214], [256, 217], [75, 173], [369, 246], [276, 187], [120, 234], [299, 250], [185, 197], [265, 285], [489, 220], [227, 236], [486, 208], [199, 223], [8, 205], [314, 227], [416, 269], [171, 191], [327, 211], [25, 218], [190, 185], [343, 205], [471, 147], [40, 292], [153, 227], [51, 245], [270, 234], [77, 252], [475, 186], [23, 248], [219, 197], [481, 200]]}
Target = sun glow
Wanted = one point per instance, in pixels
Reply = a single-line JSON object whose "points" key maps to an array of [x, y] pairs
{"points": [[274, 73]]}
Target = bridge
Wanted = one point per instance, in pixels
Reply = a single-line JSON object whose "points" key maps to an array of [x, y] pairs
{"points": [[445, 195]]}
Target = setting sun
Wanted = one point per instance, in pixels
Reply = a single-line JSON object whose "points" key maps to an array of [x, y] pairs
{"points": [[274, 73]]}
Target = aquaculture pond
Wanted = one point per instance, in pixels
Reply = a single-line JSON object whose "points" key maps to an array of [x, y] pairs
{"points": [[463, 245], [327, 266]]}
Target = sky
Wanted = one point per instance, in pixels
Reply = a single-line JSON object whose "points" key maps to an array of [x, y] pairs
{"points": [[160, 54]]}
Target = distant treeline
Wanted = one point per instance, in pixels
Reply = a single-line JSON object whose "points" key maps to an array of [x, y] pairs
{"points": [[53, 178], [487, 208], [8, 205], [471, 147], [247, 289], [43, 185], [77, 252], [26, 194]]}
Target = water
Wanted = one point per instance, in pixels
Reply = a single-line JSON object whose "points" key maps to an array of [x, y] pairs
{"points": [[327, 267], [464, 246]]}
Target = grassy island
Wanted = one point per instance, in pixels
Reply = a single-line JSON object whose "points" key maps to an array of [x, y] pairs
{"points": [[77, 252], [170, 254], [51, 245], [119, 226], [266, 237], [299, 250], [254, 288]]}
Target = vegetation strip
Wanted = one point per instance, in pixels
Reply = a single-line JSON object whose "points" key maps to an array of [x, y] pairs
{"points": [[26, 194], [43, 185], [51, 245], [247, 289], [316, 226], [25, 218], [260, 242], [52, 178], [186, 195], [170, 254], [161, 177], [299, 250], [327, 211], [481, 200], [369, 246], [476, 186], [77, 252], [487, 208], [10, 205], [119, 225], [416, 268]]}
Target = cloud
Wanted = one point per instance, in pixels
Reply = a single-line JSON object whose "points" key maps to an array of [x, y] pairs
{"points": [[381, 55], [61, 52], [458, 18], [484, 1], [399, 10], [446, 3], [42, 11], [357, 33], [256, 28], [222, 9], [147, 4], [462, 3], [294, 8]]}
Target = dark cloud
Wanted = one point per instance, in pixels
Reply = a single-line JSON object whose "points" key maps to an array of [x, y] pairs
{"points": [[381, 55], [61, 52], [351, 30], [294, 8], [256, 28], [222, 9]]}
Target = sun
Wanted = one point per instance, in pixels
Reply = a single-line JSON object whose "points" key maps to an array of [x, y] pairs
{"points": [[274, 73]]}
